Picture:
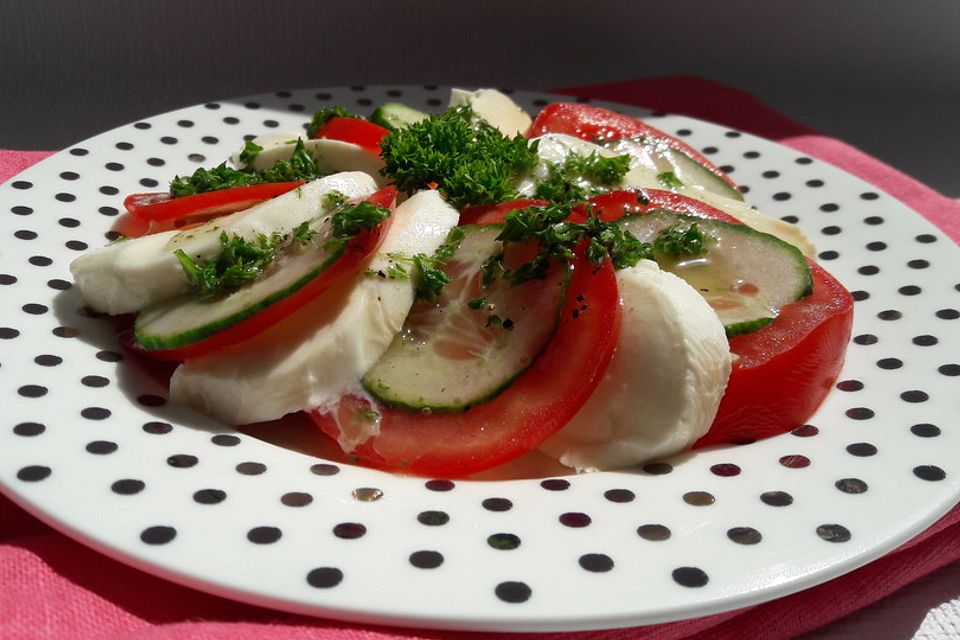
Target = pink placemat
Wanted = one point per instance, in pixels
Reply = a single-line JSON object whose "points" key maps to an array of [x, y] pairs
{"points": [[53, 587]]}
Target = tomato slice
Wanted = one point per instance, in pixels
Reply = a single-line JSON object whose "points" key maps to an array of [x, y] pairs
{"points": [[782, 372], [597, 124], [362, 133], [489, 213], [354, 255], [161, 207], [538, 403]]}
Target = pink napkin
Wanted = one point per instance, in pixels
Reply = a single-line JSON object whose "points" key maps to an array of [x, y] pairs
{"points": [[53, 587]]}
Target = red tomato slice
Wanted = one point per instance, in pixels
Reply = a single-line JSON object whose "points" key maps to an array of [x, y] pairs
{"points": [[782, 372], [536, 405], [354, 255], [362, 133], [598, 124], [490, 213], [159, 207]]}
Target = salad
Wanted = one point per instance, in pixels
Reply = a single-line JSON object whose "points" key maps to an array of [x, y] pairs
{"points": [[444, 293]]}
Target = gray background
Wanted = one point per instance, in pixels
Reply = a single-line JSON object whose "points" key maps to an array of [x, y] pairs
{"points": [[884, 76]]}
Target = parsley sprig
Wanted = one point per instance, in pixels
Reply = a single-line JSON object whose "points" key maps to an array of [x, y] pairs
{"points": [[301, 166], [567, 182], [470, 161]]}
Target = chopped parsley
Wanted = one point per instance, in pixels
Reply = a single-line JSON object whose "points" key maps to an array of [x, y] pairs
{"points": [[670, 180], [300, 166], [333, 199], [566, 181], [431, 278], [682, 240], [250, 152], [468, 160]]}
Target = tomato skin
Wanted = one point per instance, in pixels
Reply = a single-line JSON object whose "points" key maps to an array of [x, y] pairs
{"points": [[596, 124], [354, 255], [490, 213], [538, 403], [161, 207], [362, 133], [782, 372], [785, 370]]}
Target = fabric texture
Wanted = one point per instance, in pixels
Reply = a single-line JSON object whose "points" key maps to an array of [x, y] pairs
{"points": [[53, 587]]}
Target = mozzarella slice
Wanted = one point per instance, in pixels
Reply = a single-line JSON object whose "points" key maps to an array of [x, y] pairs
{"points": [[664, 384], [494, 107], [129, 275], [332, 156], [318, 354]]}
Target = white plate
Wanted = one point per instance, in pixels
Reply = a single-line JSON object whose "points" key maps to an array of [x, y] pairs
{"points": [[89, 445]]}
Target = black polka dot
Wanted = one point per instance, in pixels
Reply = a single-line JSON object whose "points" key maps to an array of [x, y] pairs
{"points": [[40, 261], [25, 234], [142, 125], [828, 255], [657, 468], [575, 519], [157, 428], [426, 559], [699, 498], [349, 530], [619, 495], [251, 468], [830, 231], [324, 577], [324, 469], [264, 535], [653, 532], [149, 183], [224, 440], [35, 309], [751, 154], [744, 535], [8, 333], [114, 166], [271, 124], [860, 413], [29, 429], [889, 315], [869, 195], [182, 460], [865, 339], [833, 533], [804, 160], [776, 498], [709, 151], [868, 270], [168, 140], [231, 120], [95, 413], [861, 449], [128, 486], [497, 504], [690, 577], [890, 363], [433, 518], [32, 391], [925, 238], [94, 381], [555, 484], [109, 356], [47, 360], [795, 461], [909, 290], [209, 496], [726, 168], [815, 183], [7, 279], [503, 541], [805, 431], [156, 162], [21, 210], [948, 314], [196, 157], [296, 107], [850, 385], [65, 197], [771, 174], [439, 485], [34, 473], [158, 534], [150, 400], [296, 499], [914, 396], [781, 196], [873, 220], [513, 592], [925, 430], [829, 207], [210, 139], [186, 124], [102, 447], [876, 246], [952, 369], [851, 485], [21, 184], [213, 106], [596, 562], [925, 341], [929, 472], [59, 285], [110, 211]]}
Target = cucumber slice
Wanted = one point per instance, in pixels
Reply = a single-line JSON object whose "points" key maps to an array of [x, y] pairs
{"points": [[394, 116], [658, 156], [184, 320], [471, 343], [747, 276]]}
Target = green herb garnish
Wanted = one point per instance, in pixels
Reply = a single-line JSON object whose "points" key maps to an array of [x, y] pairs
{"points": [[680, 241], [567, 182], [250, 151], [670, 180], [323, 116], [468, 160]]}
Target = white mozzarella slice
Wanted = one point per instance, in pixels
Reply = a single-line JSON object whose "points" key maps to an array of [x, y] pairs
{"points": [[127, 276], [332, 156], [664, 384], [320, 352], [495, 108]]}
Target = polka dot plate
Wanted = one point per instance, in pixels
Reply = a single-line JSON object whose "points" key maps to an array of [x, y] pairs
{"points": [[268, 516]]}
